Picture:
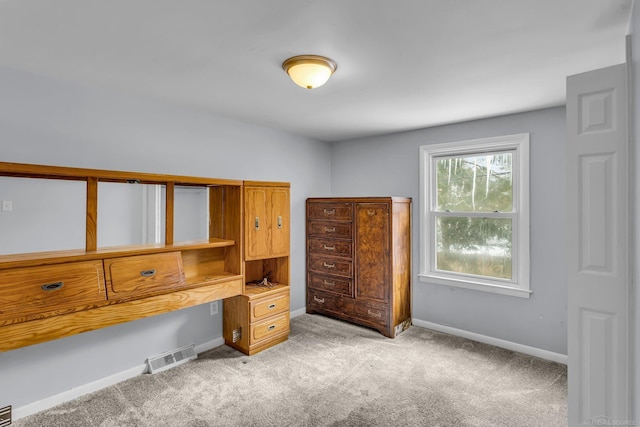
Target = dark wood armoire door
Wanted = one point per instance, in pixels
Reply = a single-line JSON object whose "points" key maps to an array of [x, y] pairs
{"points": [[372, 247]]}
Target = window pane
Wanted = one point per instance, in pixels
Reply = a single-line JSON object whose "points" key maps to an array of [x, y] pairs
{"points": [[475, 183], [479, 246]]}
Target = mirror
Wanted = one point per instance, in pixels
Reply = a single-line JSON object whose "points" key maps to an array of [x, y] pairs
{"points": [[130, 214], [191, 213], [39, 215]]}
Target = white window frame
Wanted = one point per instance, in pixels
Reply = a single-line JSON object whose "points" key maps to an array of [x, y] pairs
{"points": [[519, 285]]}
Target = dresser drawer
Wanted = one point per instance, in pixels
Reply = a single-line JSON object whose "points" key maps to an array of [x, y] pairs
{"points": [[326, 229], [33, 292], [144, 275], [269, 328], [330, 211], [372, 313], [330, 284], [266, 307], [327, 265], [330, 247], [323, 301]]}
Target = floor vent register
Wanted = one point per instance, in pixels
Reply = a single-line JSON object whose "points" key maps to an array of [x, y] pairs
{"points": [[171, 359]]}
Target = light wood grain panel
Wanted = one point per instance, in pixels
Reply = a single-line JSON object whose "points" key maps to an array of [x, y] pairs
{"points": [[92, 214], [133, 277], [37, 331], [36, 292], [269, 328], [80, 174], [269, 306], [169, 210]]}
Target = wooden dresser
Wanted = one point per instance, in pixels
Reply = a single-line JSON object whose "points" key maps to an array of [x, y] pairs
{"points": [[359, 261]]}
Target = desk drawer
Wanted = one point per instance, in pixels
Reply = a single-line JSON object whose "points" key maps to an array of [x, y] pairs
{"points": [[31, 292], [264, 308], [144, 275], [269, 328]]}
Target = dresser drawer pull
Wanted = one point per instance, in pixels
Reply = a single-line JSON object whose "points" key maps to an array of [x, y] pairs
{"points": [[271, 328], [329, 211], [329, 265], [329, 283], [256, 224], [371, 212], [320, 300], [271, 306], [329, 230], [279, 222], [329, 248], [148, 273], [52, 286], [372, 314]]}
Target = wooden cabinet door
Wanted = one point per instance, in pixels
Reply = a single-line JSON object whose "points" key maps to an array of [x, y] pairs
{"points": [[372, 251], [279, 221], [256, 223]]}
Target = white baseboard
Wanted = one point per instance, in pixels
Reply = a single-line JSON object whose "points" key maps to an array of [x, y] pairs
{"points": [[520, 348], [74, 393]]}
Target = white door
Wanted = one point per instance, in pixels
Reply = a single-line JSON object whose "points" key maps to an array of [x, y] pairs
{"points": [[598, 248]]}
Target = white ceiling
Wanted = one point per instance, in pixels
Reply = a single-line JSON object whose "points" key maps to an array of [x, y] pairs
{"points": [[402, 64]]}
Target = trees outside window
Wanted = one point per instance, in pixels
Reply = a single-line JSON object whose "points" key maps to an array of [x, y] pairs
{"points": [[474, 214]]}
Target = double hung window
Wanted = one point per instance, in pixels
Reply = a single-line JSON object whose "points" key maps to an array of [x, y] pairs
{"points": [[475, 214]]}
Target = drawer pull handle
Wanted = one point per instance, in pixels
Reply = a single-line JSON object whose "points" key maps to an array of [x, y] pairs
{"points": [[329, 283], [320, 300], [372, 314], [52, 286], [279, 221], [271, 306], [329, 248], [329, 211], [329, 265], [271, 328], [148, 273], [329, 230], [257, 223], [371, 212]]}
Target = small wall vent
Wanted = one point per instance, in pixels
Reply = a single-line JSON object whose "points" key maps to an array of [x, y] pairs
{"points": [[5, 416], [172, 358]]}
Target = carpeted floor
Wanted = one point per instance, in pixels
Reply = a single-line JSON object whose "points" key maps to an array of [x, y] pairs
{"points": [[331, 373]]}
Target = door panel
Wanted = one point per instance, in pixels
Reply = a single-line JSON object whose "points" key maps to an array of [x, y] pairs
{"points": [[256, 223], [598, 247], [279, 222], [372, 241]]}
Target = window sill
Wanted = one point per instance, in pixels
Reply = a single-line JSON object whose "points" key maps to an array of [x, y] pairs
{"points": [[477, 286]]}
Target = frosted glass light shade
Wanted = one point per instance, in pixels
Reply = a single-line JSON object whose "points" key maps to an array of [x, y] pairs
{"points": [[309, 71]]}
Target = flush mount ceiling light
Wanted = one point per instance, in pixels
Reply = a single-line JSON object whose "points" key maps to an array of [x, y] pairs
{"points": [[309, 71]]}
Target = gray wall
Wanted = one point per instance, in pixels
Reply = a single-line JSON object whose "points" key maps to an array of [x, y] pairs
{"points": [[389, 165], [46, 121]]}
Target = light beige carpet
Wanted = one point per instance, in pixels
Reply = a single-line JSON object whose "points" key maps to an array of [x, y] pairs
{"points": [[331, 373]]}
